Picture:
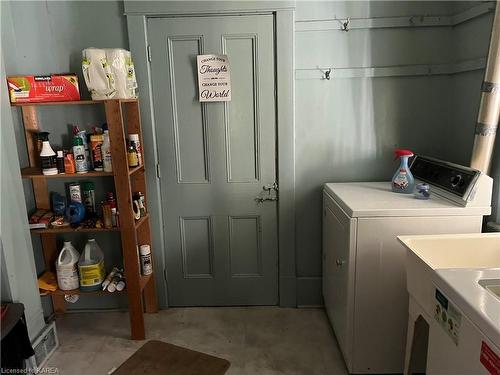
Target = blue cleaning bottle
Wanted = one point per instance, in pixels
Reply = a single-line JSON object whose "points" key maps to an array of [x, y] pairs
{"points": [[403, 181]]}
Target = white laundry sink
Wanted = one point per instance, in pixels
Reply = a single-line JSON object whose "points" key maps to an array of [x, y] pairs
{"points": [[456, 250], [454, 285], [429, 253], [492, 286]]}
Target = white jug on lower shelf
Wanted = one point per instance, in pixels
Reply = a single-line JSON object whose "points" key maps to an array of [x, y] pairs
{"points": [[66, 267]]}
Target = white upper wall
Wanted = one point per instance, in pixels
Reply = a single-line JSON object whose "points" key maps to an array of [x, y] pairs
{"points": [[320, 10]]}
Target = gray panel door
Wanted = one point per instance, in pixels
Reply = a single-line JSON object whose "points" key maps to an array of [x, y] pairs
{"points": [[215, 158]]}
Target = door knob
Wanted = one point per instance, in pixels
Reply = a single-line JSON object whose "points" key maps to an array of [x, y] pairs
{"points": [[339, 262], [269, 193], [270, 187]]}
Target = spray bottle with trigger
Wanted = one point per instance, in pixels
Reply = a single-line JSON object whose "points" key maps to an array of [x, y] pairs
{"points": [[403, 181]]}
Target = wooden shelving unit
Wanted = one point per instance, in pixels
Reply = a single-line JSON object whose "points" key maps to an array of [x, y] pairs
{"points": [[32, 172], [144, 280], [75, 102], [73, 230], [59, 292], [140, 290]]}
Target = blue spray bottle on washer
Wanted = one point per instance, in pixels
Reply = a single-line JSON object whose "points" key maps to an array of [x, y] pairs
{"points": [[403, 181]]}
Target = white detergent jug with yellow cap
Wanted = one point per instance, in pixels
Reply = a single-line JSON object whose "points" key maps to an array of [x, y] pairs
{"points": [[66, 269], [91, 267]]}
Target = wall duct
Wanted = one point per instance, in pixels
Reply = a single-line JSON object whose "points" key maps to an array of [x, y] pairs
{"points": [[489, 108]]}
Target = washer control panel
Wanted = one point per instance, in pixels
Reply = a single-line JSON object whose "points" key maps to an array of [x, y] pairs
{"points": [[453, 178]]}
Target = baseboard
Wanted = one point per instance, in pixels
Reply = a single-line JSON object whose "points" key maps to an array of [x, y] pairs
{"points": [[309, 292]]}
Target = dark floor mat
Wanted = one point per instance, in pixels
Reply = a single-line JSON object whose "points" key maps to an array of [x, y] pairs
{"points": [[158, 358]]}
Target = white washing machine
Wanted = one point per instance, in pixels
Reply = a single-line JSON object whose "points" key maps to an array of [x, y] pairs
{"points": [[364, 280]]}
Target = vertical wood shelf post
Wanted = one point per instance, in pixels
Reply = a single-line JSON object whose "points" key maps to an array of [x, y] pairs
{"points": [[139, 183], [114, 118]]}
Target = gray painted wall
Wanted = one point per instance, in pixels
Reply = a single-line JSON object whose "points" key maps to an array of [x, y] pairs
{"points": [[346, 129], [18, 267], [18, 281]]}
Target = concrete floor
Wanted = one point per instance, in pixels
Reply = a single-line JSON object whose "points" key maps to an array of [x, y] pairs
{"points": [[256, 340]]}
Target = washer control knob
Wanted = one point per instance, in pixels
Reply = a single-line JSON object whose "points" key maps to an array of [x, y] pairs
{"points": [[456, 180]]}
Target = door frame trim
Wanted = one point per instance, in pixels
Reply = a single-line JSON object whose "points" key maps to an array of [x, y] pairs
{"points": [[285, 118]]}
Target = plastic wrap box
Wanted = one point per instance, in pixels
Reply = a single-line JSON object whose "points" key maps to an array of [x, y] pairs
{"points": [[48, 88]]}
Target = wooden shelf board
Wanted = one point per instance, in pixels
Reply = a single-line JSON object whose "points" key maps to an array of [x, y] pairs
{"points": [[74, 102], [142, 220], [73, 230], [34, 172], [79, 292], [134, 170], [143, 282]]}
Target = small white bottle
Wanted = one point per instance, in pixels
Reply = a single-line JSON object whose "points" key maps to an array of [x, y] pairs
{"points": [[120, 285], [106, 153], [109, 278], [48, 159], [146, 263], [115, 281]]}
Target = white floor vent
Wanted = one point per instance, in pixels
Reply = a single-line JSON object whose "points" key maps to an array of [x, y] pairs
{"points": [[44, 346]]}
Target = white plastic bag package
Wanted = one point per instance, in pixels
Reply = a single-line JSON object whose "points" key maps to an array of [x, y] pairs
{"points": [[120, 61], [109, 73], [97, 74]]}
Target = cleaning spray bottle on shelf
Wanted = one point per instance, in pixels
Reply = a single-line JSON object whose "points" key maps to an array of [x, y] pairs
{"points": [[48, 157], [403, 181], [106, 153]]}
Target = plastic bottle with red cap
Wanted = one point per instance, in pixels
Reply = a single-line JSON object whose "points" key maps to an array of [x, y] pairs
{"points": [[403, 181]]}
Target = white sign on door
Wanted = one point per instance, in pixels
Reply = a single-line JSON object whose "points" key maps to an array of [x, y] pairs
{"points": [[214, 81]]}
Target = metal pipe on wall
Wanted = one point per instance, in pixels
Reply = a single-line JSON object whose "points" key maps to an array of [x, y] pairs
{"points": [[489, 108]]}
